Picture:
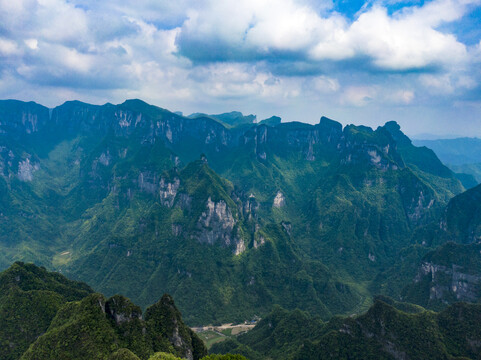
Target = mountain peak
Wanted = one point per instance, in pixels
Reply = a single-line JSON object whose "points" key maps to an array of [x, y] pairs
{"points": [[395, 130], [136, 102], [329, 123], [272, 121]]}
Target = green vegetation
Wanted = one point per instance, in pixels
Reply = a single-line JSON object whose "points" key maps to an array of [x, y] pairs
{"points": [[43, 315], [95, 327], [164, 356], [462, 219], [229, 216], [383, 332], [450, 273], [224, 357], [211, 337], [125, 354], [29, 299]]}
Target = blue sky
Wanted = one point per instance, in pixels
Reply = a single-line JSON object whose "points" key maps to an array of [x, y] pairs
{"points": [[416, 62]]}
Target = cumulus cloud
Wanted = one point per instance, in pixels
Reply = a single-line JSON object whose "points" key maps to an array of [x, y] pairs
{"points": [[270, 54], [254, 30], [8, 47]]}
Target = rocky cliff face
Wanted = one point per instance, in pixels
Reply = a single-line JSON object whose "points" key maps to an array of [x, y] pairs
{"points": [[96, 327], [217, 224], [135, 118], [165, 321], [447, 283], [446, 275], [123, 189], [462, 218], [167, 191], [122, 310], [18, 119]]}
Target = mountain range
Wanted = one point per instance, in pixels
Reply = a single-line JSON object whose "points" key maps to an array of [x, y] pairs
{"points": [[231, 216], [389, 330], [462, 155]]}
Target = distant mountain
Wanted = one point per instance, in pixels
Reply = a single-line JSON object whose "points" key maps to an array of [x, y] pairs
{"points": [[229, 219], [457, 151], [462, 155], [473, 170], [272, 121], [383, 332], [231, 119]]}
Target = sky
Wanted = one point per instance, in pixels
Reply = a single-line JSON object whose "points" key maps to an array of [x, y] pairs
{"points": [[358, 62]]}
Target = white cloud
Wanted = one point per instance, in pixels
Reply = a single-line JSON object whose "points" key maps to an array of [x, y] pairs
{"points": [[31, 43], [400, 97], [446, 83], [404, 42], [8, 47], [358, 95], [325, 84], [264, 53]]}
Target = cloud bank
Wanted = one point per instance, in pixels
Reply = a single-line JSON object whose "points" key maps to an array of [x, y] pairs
{"points": [[401, 60]]}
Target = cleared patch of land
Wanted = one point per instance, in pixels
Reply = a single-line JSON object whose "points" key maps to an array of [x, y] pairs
{"points": [[213, 334], [62, 259]]}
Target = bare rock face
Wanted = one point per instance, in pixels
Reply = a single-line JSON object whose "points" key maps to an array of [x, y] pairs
{"points": [[279, 200], [147, 182], [240, 246], [176, 229], [105, 158], [217, 224], [449, 283], [26, 170], [165, 322], [419, 205], [250, 208], [168, 191], [122, 310], [259, 242]]}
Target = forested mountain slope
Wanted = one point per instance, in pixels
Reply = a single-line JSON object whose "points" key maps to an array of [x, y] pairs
{"points": [[43, 315], [238, 217]]}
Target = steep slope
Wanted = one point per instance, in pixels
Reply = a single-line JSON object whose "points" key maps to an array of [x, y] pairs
{"points": [[437, 276], [29, 299], [462, 220], [95, 327], [231, 119], [461, 155], [448, 274], [195, 244], [118, 197], [384, 332], [353, 196], [455, 151]]}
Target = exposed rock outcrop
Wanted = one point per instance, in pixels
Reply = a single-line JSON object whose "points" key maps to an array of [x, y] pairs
{"points": [[217, 224], [164, 320], [447, 283], [279, 200], [168, 191]]}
